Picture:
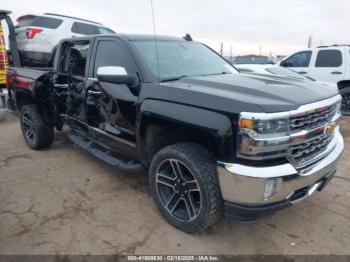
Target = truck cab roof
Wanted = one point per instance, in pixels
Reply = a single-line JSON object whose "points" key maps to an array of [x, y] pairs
{"points": [[130, 37]]}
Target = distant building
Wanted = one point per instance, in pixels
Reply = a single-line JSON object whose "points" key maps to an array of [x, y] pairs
{"points": [[280, 57], [251, 59]]}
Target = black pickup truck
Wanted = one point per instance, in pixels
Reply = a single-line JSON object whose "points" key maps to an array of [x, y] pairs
{"points": [[212, 138]]}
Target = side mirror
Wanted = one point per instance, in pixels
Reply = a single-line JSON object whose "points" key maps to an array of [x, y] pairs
{"points": [[116, 75], [283, 63]]}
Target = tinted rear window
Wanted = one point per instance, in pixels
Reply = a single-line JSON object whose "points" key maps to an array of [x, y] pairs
{"points": [[25, 21], [84, 29], [329, 58], [40, 21]]}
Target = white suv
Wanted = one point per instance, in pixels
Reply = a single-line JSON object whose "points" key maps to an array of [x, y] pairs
{"points": [[38, 35], [325, 63]]}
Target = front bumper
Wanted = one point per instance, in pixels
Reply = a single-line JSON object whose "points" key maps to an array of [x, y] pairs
{"points": [[244, 187]]}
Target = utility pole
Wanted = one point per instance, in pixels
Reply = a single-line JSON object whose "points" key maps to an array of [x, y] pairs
{"points": [[260, 48], [221, 48], [309, 42], [231, 52]]}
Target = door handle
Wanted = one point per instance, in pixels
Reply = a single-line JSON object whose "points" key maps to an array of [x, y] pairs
{"points": [[336, 73], [94, 93], [302, 72], [61, 85]]}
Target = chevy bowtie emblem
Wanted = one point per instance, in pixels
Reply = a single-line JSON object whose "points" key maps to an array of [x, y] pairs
{"points": [[330, 129]]}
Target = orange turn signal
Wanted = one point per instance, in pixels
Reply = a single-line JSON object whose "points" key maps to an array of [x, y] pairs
{"points": [[246, 123]]}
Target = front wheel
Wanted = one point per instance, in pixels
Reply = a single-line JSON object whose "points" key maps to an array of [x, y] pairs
{"points": [[184, 186], [36, 132]]}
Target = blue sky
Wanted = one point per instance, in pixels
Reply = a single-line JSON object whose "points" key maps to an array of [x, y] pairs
{"points": [[282, 26]]}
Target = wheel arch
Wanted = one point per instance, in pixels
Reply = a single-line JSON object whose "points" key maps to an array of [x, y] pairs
{"points": [[344, 84], [39, 94], [23, 97], [163, 123]]}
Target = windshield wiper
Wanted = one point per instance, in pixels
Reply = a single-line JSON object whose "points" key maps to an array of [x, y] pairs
{"points": [[222, 73], [173, 78]]}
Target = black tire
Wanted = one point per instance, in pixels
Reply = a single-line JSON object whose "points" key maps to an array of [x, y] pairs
{"points": [[345, 107], [202, 168], [36, 133]]}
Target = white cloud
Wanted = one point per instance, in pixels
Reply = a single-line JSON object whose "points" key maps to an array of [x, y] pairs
{"points": [[279, 26]]}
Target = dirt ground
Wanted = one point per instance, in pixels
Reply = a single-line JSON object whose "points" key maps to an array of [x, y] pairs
{"points": [[64, 201]]}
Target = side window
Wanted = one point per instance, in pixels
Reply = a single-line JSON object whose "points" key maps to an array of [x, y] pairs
{"points": [[329, 58], [301, 59], [83, 29], [110, 53], [75, 61], [104, 30]]}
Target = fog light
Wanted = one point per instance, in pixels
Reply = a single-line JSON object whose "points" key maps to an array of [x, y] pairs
{"points": [[270, 188]]}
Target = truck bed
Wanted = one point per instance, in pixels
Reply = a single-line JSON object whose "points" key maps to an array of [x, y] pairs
{"points": [[24, 77], [30, 72]]}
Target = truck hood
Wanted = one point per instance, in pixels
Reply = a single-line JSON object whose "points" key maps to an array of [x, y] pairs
{"points": [[269, 93]]}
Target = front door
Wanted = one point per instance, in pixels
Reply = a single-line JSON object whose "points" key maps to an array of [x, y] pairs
{"points": [[299, 62], [111, 108]]}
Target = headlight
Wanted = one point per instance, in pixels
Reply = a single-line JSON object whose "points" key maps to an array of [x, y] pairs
{"points": [[265, 138], [267, 127]]}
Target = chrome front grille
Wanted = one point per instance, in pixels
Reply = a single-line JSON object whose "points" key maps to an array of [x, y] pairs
{"points": [[312, 119], [313, 133], [304, 152]]}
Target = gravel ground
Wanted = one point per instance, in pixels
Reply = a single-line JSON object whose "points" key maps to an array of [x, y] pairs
{"points": [[64, 201]]}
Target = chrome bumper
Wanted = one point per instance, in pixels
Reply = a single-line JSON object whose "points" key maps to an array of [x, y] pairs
{"points": [[247, 184]]}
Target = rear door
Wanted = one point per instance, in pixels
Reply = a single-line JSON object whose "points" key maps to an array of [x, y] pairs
{"points": [[71, 80], [299, 62], [329, 65]]}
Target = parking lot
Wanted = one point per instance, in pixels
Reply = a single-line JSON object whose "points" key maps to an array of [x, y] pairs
{"points": [[64, 201]]}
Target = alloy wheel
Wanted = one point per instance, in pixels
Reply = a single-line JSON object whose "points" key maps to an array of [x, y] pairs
{"points": [[178, 190], [28, 127]]}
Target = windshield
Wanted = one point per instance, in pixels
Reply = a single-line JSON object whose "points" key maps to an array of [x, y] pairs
{"points": [[179, 59]]}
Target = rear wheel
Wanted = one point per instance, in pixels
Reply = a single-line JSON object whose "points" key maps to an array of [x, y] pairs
{"points": [[185, 188], [36, 132]]}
